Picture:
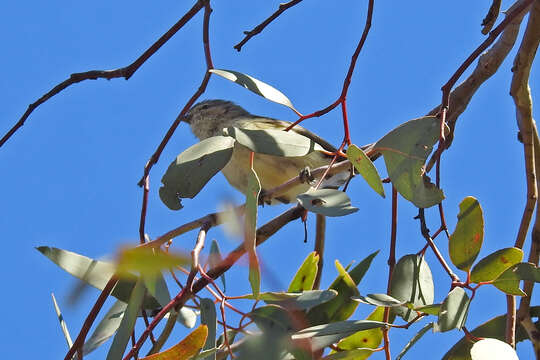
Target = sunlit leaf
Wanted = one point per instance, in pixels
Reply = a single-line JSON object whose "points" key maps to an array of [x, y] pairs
{"points": [[413, 341], [193, 168], [209, 318], [356, 354], [62, 322], [148, 261], [412, 282], [305, 276], [256, 86], [365, 167], [493, 265], [306, 299], [508, 281], [466, 240], [274, 142], [432, 309], [489, 349], [453, 312], [250, 231], [327, 202], [127, 323], [365, 339], [185, 349], [378, 300], [405, 150], [339, 308]]}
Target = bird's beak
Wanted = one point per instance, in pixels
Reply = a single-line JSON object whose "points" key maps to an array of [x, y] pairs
{"points": [[186, 118]]}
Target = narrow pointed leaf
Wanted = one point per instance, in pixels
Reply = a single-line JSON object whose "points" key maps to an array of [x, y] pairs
{"points": [[305, 276], [493, 265], [185, 349], [274, 142], [453, 311], [193, 168], [306, 300], [488, 349], [63, 324], [256, 86], [357, 273], [209, 318], [250, 231], [127, 323], [413, 341], [106, 327], [365, 167], [95, 273], [466, 240], [327, 202], [215, 259], [378, 300], [405, 150], [432, 309], [411, 282]]}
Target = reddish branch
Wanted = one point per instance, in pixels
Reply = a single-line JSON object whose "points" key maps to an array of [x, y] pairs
{"points": [[391, 265], [256, 30], [124, 72]]}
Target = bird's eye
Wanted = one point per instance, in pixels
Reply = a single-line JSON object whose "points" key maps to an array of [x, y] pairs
{"points": [[205, 106]]}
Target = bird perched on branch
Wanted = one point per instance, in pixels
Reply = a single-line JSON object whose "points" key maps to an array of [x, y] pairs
{"points": [[208, 118]]}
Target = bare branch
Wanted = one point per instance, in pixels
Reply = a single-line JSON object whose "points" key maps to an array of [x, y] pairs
{"points": [[491, 16], [125, 72], [320, 234], [257, 29]]}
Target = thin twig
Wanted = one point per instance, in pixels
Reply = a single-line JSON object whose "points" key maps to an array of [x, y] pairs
{"points": [[257, 29], [125, 72], [320, 234], [391, 265], [491, 16]]}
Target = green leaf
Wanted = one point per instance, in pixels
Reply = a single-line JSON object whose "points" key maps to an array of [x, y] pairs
{"points": [[272, 319], [339, 308], [185, 349], [488, 349], [493, 265], [365, 339], [358, 272], [209, 318], [508, 281], [273, 142], [148, 261], [215, 259], [305, 300], [256, 86], [193, 168], [326, 334], [356, 354], [493, 328], [95, 273], [127, 323], [305, 276], [411, 282], [327, 202], [453, 311], [466, 240], [432, 309], [62, 322], [106, 327], [365, 167], [250, 231], [405, 150], [378, 300], [413, 341]]}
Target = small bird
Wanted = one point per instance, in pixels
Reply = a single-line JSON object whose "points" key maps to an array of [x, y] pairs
{"points": [[208, 118]]}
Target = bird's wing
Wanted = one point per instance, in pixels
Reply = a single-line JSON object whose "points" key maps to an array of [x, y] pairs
{"points": [[281, 125]]}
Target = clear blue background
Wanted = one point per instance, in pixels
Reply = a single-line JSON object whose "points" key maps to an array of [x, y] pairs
{"points": [[68, 177]]}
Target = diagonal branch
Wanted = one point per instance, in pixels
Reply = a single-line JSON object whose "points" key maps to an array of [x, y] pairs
{"points": [[257, 29], [125, 72]]}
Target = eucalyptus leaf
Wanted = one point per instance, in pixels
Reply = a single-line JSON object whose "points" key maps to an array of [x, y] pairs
{"points": [[493, 265], [405, 150], [209, 318], [106, 327], [453, 312], [365, 167], [193, 168], [256, 86], [466, 240], [214, 259], [305, 276], [414, 340], [327, 202], [378, 300], [250, 231]]}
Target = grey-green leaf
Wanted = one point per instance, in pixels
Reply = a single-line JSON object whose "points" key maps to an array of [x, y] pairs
{"points": [[193, 168], [378, 300], [214, 259], [413, 341], [327, 202], [209, 318], [273, 142], [106, 327], [256, 86], [453, 311]]}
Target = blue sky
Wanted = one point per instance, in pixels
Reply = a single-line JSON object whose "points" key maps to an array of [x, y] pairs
{"points": [[69, 175]]}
